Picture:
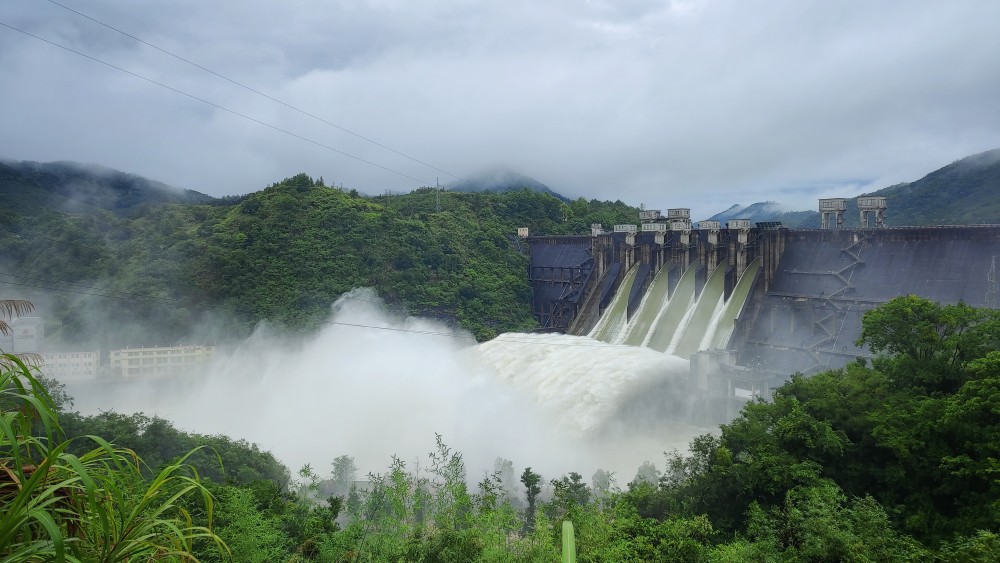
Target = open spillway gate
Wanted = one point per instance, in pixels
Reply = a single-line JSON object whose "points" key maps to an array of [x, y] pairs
{"points": [[576, 279]]}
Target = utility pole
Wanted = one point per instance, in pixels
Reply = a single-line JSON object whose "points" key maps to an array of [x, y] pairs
{"points": [[437, 194]]}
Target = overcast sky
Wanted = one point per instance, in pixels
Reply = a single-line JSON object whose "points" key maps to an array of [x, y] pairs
{"points": [[686, 103]]}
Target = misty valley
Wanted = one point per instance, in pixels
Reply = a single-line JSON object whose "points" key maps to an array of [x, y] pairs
{"points": [[305, 373]]}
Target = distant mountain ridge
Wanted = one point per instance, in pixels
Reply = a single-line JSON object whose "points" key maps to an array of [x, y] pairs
{"points": [[763, 211], [965, 192], [73, 186]]}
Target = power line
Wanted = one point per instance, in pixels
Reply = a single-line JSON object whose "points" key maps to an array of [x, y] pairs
{"points": [[215, 105], [450, 334], [78, 289], [248, 88]]}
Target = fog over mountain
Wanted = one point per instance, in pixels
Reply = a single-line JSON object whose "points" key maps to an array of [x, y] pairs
{"points": [[500, 179], [691, 103]]}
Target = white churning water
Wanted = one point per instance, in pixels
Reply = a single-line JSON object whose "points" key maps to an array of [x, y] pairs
{"points": [[372, 384], [583, 382]]}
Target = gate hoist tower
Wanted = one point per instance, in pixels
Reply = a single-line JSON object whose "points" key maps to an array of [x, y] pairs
{"points": [[874, 205], [832, 206]]}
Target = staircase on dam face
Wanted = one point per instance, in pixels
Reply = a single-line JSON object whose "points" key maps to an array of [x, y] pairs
{"points": [[807, 315], [993, 291], [830, 318]]}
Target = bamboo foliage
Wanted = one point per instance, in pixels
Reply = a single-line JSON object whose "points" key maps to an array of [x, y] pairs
{"points": [[93, 507]]}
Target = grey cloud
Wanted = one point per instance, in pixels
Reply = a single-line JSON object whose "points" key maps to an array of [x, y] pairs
{"points": [[666, 103]]}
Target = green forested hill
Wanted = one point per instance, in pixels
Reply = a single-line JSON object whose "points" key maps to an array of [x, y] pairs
{"points": [[71, 186], [964, 192], [285, 253]]}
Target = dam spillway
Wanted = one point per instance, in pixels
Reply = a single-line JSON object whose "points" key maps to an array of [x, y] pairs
{"points": [[767, 301], [611, 326]]}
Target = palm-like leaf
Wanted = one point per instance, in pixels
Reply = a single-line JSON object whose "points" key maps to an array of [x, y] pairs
{"points": [[11, 308]]}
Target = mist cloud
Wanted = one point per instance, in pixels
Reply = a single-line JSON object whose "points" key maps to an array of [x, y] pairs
{"points": [[372, 385], [698, 103]]}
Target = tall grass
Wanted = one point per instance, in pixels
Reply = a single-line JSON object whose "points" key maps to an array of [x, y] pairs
{"points": [[55, 505]]}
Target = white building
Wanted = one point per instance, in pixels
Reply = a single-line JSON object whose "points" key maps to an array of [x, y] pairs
{"points": [[28, 335], [68, 367], [158, 361]]}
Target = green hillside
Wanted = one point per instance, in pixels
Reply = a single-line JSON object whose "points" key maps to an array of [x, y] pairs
{"points": [[964, 192], [177, 263], [71, 186]]}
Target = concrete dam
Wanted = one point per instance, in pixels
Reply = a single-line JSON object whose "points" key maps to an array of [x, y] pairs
{"points": [[750, 304]]}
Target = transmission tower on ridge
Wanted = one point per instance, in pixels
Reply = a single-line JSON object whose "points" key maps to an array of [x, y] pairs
{"points": [[992, 287]]}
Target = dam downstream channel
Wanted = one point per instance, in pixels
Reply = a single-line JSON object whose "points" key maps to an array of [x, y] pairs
{"points": [[555, 402]]}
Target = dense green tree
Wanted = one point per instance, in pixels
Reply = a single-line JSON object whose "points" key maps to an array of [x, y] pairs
{"points": [[647, 473], [531, 481], [345, 472], [818, 523], [222, 459], [919, 433], [927, 344]]}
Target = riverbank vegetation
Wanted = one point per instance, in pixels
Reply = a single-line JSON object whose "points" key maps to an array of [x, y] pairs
{"points": [[890, 460]]}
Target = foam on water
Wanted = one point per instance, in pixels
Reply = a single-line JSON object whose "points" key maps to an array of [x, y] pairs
{"points": [[583, 382]]}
